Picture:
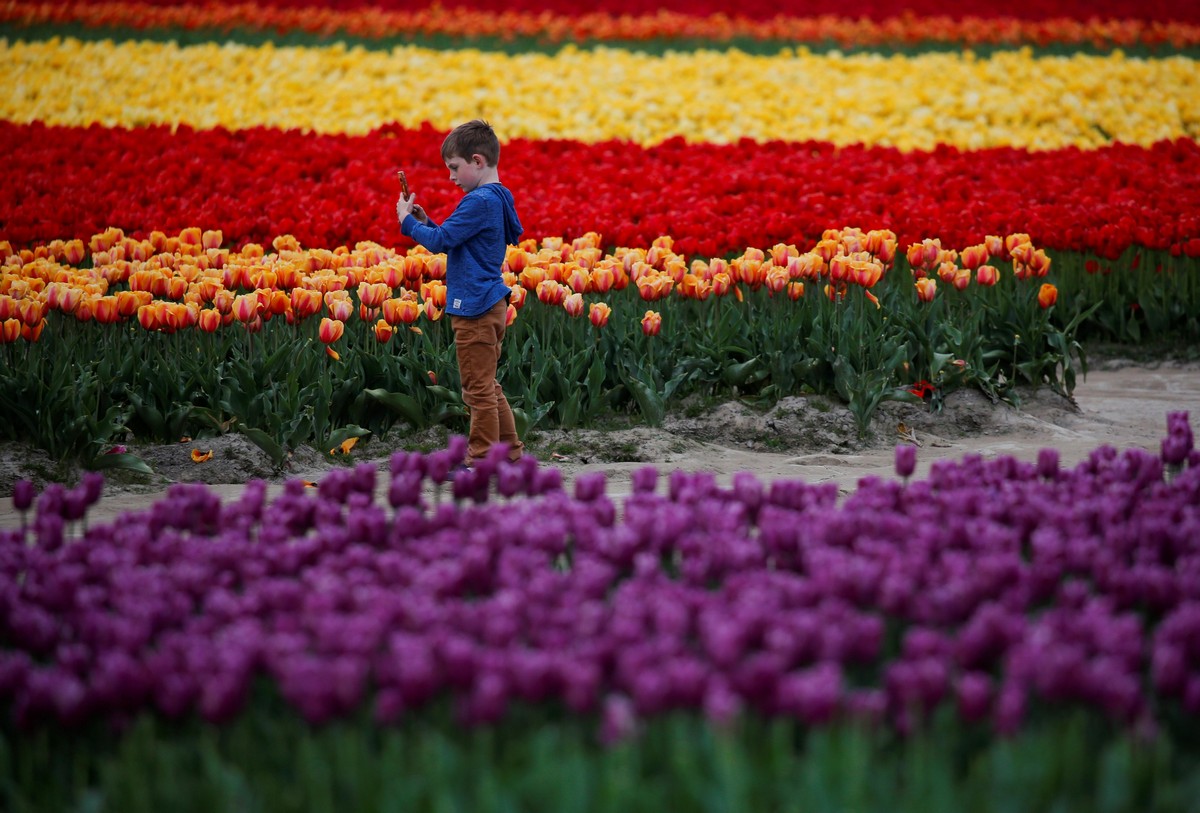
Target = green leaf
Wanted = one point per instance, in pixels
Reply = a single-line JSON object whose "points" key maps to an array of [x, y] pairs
{"points": [[652, 405], [124, 461], [265, 442], [445, 395], [405, 405], [526, 421]]}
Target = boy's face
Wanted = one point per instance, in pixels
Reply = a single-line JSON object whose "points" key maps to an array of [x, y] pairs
{"points": [[465, 173]]}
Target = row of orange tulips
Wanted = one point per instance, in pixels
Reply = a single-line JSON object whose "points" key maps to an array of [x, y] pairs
{"points": [[173, 282]]}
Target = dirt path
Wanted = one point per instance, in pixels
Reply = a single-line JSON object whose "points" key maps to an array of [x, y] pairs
{"points": [[1120, 404]]}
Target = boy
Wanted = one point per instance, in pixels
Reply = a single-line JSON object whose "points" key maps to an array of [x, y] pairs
{"points": [[474, 238]]}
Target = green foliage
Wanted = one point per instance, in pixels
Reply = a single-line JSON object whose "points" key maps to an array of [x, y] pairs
{"points": [[539, 758]]}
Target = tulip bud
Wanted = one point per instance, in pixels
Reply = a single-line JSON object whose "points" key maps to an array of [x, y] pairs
{"points": [[906, 460], [1047, 296]]}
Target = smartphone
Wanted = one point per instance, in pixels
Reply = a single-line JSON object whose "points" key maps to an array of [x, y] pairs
{"points": [[403, 183]]}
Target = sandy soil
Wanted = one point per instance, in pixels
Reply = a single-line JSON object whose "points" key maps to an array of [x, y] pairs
{"points": [[1119, 403]]}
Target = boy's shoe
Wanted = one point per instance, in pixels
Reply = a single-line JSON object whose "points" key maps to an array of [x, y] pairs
{"points": [[459, 469]]}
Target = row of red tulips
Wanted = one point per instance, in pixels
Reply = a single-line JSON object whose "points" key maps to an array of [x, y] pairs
{"points": [[765, 9], [330, 190], [375, 24]]}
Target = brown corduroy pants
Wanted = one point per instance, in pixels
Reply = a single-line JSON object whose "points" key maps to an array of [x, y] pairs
{"points": [[477, 343]]}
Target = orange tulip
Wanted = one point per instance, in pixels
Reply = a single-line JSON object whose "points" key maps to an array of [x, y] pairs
{"points": [[150, 317], [372, 294], [598, 314], [602, 278], [305, 302], [432, 312], [721, 283], [212, 238], [550, 292], [401, 311], [383, 331], [340, 307], [128, 302], [209, 320], [11, 331], [926, 289], [995, 247], [517, 297], [511, 316], [777, 279], [795, 290], [1047, 296], [246, 307], [578, 279], [974, 256], [105, 310], [987, 275], [652, 323], [573, 305], [874, 299], [962, 279], [331, 330]]}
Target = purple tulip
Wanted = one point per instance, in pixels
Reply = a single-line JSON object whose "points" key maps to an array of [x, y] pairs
{"points": [[906, 460], [1047, 464], [23, 495]]}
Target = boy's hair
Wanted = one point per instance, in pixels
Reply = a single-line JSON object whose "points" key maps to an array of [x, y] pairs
{"points": [[473, 137]]}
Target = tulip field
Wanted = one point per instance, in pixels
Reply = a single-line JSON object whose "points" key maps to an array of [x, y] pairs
{"points": [[750, 201]]}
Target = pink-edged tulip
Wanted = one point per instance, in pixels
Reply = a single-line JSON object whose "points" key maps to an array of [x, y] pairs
{"points": [[383, 331], [550, 292], [246, 307], [432, 311], [652, 323], [974, 256], [305, 302], [598, 314], [401, 311], [209, 320], [372, 294], [10, 331], [926, 289], [602, 278], [795, 290], [340, 309], [331, 330], [987, 276], [105, 310], [962, 279], [212, 239], [511, 316], [573, 305]]}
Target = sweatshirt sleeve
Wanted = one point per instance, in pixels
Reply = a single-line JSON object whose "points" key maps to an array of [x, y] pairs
{"points": [[466, 221]]}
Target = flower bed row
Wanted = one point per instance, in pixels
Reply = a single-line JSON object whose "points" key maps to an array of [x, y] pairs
{"points": [[184, 337], [1003, 591], [331, 190], [1010, 98], [374, 23], [1160, 10]]}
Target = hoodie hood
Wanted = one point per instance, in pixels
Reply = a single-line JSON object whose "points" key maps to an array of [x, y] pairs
{"points": [[512, 224]]}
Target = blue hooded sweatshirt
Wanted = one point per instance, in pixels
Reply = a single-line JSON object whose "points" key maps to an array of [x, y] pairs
{"points": [[475, 239]]}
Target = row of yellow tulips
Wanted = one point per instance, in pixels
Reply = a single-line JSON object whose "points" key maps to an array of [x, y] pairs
{"points": [[1011, 98], [189, 280]]}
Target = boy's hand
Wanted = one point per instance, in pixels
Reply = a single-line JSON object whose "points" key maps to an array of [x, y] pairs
{"points": [[406, 206]]}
